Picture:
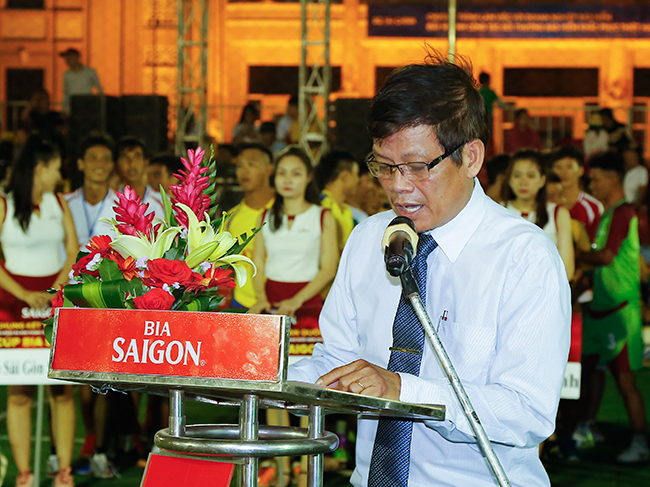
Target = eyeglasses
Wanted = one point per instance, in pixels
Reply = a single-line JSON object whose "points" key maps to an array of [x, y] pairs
{"points": [[413, 171]]}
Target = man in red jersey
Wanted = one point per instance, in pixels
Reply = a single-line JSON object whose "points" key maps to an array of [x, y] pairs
{"points": [[567, 162]]}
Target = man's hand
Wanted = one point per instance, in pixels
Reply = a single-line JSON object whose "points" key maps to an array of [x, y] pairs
{"points": [[364, 378]]}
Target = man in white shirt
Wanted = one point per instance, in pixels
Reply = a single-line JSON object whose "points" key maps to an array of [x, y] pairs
{"points": [[78, 79], [497, 279], [132, 163], [94, 200]]}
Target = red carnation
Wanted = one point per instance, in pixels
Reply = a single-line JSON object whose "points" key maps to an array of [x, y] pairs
{"points": [[163, 271], [154, 299], [80, 267], [215, 277]]}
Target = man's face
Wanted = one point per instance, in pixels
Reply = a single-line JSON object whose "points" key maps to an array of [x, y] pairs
{"points": [[96, 164], [253, 170], [72, 59], [603, 183], [132, 166], [351, 179], [569, 171], [434, 201]]}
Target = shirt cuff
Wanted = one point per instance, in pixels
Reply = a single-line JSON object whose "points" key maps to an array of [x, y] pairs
{"points": [[419, 391]]}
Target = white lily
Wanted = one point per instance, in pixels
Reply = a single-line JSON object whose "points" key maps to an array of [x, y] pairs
{"points": [[203, 244], [142, 246]]}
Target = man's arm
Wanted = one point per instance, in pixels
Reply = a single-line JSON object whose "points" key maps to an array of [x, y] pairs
{"points": [[618, 231], [518, 403]]}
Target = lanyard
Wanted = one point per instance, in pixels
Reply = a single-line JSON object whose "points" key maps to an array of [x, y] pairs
{"points": [[89, 226]]}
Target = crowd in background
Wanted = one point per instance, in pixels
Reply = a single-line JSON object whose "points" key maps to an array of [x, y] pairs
{"points": [[591, 200]]}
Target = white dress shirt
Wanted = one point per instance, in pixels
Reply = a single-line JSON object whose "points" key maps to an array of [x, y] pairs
{"points": [[86, 216], [503, 284]]}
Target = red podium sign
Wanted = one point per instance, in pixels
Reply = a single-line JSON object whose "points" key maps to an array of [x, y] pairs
{"points": [[229, 346]]}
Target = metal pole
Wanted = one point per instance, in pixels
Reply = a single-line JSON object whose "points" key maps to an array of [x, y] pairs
{"points": [[176, 413], [452, 29], [249, 431], [39, 433], [448, 368], [316, 428]]}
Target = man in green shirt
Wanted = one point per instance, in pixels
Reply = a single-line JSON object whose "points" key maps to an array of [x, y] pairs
{"points": [[612, 323]]}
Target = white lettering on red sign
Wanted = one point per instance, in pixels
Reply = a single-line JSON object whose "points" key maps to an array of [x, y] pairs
{"points": [[159, 351]]}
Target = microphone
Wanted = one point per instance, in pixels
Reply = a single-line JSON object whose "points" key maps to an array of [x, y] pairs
{"points": [[399, 243]]}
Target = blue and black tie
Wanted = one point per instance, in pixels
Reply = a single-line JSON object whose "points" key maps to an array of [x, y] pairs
{"points": [[389, 464]]}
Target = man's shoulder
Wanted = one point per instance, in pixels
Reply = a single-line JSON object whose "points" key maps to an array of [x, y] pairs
{"points": [[585, 199], [624, 211], [504, 228], [73, 196]]}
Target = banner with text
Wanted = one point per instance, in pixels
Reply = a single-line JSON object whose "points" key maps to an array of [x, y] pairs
{"points": [[584, 21]]}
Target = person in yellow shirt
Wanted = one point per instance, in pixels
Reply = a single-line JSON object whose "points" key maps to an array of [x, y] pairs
{"points": [[254, 169], [338, 176]]}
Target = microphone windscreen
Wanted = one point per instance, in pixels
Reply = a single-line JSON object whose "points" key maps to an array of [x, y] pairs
{"points": [[400, 224]]}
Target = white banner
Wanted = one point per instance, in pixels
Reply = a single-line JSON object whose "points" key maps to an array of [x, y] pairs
{"points": [[571, 386], [25, 366]]}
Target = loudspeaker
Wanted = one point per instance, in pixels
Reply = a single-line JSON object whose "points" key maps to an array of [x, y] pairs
{"points": [[351, 128], [145, 117], [90, 113]]}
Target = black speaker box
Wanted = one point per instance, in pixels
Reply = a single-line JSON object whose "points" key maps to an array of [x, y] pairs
{"points": [[351, 130], [145, 117]]}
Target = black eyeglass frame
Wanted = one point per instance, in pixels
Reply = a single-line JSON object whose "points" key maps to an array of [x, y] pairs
{"points": [[430, 165]]}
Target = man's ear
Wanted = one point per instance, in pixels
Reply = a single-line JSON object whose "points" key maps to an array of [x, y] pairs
{"points": [[473, 157], [80, 164]]}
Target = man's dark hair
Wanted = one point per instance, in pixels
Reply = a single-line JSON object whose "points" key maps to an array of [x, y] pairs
{"points": [[257, 146], [331, 165], [170, 161], [567, 151], [438, 93], [497, 165], [129, 143], [293, 101], [267, 127], [606, 112], [484, 78], [609, 161], [94, 139]]}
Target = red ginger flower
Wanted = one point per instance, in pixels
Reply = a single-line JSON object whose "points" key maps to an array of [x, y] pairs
{"points": [[214, 277], [191, 187], [131, 214]]}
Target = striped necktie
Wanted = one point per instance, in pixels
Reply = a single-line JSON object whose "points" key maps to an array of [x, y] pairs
{"points": [[389, 464]]}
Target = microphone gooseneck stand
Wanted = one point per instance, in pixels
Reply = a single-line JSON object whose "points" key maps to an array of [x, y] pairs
{"points": [[411, 291]]}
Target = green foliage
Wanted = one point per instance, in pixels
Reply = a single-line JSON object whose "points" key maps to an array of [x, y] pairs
{"points": [[109, 271], [98, 294]]}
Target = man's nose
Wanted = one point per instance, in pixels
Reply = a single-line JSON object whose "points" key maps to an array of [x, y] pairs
{"points": [[400, 183]]}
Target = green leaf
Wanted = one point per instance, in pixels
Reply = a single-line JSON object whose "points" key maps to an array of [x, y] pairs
{"points": [[167, 205], [214, 302], [198, 304], [88, 279], [238, 247], [99, 294], [49, 329], [109, 271]]}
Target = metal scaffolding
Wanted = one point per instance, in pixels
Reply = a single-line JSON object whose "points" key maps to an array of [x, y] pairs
{"points": [[192, 73], [314, 76]]}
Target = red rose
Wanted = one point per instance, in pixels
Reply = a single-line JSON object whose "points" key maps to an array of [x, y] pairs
{"points": [[163, 271], [154, 299]]}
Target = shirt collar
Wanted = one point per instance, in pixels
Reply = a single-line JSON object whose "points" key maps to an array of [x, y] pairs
{"points": [[454, 235]]}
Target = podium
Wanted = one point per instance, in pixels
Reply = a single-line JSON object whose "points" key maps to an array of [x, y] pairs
{"points": [[224, 359]]}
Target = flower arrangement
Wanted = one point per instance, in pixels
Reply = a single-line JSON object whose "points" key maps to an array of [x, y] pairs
{"points": [[183, 263]]}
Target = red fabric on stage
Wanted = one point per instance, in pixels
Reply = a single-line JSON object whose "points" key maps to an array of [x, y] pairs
{"points": [[307, 315]]}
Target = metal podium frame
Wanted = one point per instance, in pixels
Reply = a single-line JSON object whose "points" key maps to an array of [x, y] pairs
{"points": [[245, 443]]}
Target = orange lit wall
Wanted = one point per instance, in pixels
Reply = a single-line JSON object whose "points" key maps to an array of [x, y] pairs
{"points": [[132, 45]]}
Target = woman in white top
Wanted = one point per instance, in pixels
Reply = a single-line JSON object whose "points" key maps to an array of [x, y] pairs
{"points": [[525, 195], [296, 252], [40, 245]]}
